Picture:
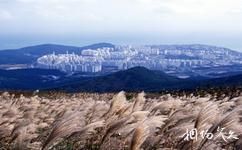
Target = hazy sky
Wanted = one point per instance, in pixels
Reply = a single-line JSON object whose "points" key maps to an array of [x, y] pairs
{"points": [[81, 22]]}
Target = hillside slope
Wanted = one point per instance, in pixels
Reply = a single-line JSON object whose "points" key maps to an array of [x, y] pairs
{"points": [[134, 79]]}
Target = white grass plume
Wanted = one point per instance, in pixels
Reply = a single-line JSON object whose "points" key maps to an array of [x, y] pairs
{"points": [[139, 136]]}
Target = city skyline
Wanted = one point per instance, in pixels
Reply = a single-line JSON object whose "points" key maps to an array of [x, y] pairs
{"points": [[170, 59]]}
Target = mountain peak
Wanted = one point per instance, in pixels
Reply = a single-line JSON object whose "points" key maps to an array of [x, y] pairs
{"points": [[99, 45], [133, 79]]}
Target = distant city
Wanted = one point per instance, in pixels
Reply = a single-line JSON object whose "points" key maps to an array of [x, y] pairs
{"points": [[98, 66], [163, 57]]}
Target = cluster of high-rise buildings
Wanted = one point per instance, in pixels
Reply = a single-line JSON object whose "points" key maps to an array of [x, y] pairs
{"points": [[151, 57]]}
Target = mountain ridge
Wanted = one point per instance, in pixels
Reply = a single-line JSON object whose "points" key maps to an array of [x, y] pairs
{"points": [[29, 55], [137, 78], [134, 79]]}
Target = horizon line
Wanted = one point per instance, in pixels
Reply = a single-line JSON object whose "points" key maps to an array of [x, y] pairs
{"points": [[128, 44]]}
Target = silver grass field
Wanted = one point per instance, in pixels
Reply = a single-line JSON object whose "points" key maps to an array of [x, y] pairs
{"points": [[117, 122]]}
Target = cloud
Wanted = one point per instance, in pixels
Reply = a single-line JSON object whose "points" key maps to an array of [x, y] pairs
{"points": [[122, 18], [5, 15], [122, 14]]}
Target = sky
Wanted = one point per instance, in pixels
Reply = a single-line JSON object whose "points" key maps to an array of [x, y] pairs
{"points": [[83, 22]]}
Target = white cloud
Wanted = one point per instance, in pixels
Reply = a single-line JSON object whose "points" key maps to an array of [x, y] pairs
{"points": [[122, 17], [112, 13], [5, 15]]}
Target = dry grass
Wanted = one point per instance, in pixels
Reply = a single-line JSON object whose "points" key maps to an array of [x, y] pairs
{"points": [[110, 121]]}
